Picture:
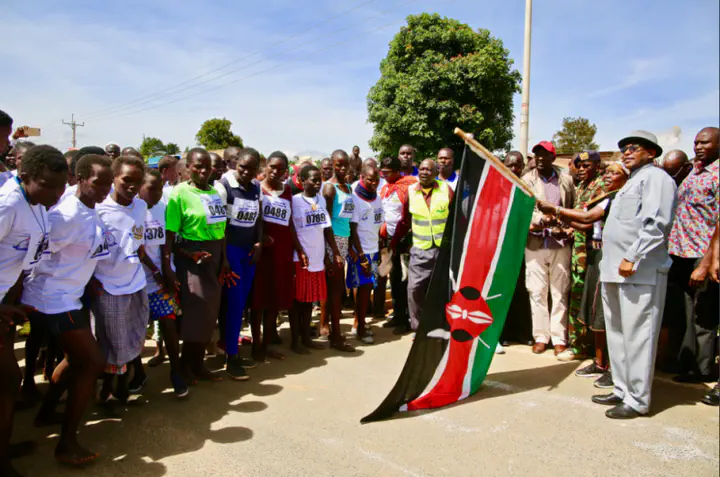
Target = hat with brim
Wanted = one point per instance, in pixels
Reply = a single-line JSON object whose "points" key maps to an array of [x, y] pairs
{"points": [[643, 138]]}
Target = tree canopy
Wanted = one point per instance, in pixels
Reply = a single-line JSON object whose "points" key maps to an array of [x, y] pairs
{"points": [[216, 134], [152, 146], [440, 74], [577, 134]]}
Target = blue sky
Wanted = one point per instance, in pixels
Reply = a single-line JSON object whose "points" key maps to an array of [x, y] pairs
{"points": [[128, 68]]}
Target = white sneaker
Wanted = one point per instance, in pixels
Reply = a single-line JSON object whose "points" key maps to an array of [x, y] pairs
{"points": [[499, 349], [353, 332], [566, 355], [367, 339]]}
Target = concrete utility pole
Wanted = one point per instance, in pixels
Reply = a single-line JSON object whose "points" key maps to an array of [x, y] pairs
{"points": [[73, 125], [525, 111]]}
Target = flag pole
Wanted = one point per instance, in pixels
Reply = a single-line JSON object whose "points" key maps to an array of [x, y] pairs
{"points": [[502, 168]]}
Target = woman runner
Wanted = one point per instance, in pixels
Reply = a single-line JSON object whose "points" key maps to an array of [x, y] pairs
{"points": [[312, 231], [273, 286], [162, 284], [240, 194], [24, 230], [338, 198], [196, 218], [78, 241], [121, 305]]}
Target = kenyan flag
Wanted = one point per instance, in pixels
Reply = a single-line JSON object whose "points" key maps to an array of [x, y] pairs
{"points": [[470, 290]]}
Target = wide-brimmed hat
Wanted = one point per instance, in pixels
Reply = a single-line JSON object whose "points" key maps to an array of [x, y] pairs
{"points": [[644, 138]]}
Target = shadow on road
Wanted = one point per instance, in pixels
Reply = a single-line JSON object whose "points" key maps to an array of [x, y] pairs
{"points": [[157, 425]]}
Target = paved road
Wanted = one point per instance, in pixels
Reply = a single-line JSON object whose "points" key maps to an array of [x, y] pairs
{"points": [[301, 417]]}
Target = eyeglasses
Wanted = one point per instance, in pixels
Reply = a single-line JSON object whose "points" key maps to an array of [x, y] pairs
{"points": [[630, 148]]}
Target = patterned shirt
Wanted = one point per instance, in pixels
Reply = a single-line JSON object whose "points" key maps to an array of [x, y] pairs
{"points": [[697, 212]]}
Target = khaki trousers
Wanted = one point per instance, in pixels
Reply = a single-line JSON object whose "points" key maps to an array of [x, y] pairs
{"points": [[548, 270]]}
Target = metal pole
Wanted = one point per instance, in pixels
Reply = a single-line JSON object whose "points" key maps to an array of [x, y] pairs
{"points": [[73, 125], [525, 111]]}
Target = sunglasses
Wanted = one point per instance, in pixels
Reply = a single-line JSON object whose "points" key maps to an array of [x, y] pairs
{"points": [[630, 148]]}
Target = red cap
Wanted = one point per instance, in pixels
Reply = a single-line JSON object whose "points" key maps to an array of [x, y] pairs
{"points": [[547, 145]]}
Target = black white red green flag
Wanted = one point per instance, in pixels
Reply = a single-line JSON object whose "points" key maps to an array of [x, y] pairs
{"points": [[470, 291]]}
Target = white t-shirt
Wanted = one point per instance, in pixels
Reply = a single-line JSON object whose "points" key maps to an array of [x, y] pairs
{"points": [[154, 238], [24, 232], [393, 208], [4, 177], [77, 241], [309, 226], [369, 216], [122, 273], [167, 188], [69, 190]]}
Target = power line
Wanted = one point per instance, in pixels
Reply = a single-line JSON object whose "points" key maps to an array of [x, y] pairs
{"points": [[73, 125], [227, 73], [249, 76], [164, 91]]}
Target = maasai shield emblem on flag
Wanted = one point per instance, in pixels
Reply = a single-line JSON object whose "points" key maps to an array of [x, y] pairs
{"points": [[469, 293]]}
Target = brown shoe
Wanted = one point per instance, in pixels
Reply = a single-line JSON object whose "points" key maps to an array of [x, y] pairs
{"points": [[539, 348], [559, 349]]}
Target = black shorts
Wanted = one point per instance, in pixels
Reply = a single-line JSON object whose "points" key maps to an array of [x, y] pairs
{"points": [[61, 322]]}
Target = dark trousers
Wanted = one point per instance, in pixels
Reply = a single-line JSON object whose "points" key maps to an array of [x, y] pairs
{"points": [[697, 311], [398, 289], [518, 324]]}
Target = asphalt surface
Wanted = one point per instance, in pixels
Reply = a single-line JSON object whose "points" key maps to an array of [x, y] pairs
{"points": [[301, 417]]}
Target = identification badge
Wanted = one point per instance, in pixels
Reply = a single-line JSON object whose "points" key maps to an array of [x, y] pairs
{"points": [[276, 210], [214, 209], [244, 212], [347, 209]]}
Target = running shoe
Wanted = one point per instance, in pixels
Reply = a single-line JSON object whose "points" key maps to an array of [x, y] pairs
{"points": [[179, 386], [592, 370], [499, 349], [234, 368], [605, 381], [367, 339], [137, 383], [247, 363]]}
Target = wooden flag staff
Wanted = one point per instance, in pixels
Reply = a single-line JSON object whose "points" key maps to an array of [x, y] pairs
{"points": [[502, 168]]}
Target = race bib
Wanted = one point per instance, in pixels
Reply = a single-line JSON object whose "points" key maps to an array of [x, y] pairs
{"points": [[376, 215], [244, 213], [214, 209], [347, 209], [276, 210], [154, 234], [316, 218]]}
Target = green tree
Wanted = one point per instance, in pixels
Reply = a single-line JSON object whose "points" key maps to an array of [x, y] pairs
{"points": [[576, 135], [171, 149], [152, 146], [216, 134], [439, 74]]}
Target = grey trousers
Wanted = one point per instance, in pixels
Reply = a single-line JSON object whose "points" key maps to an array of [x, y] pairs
{"points": [[419, 272], [633, 318]]}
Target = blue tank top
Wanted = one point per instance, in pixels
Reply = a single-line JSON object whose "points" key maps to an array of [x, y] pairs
{"points": [[342, 212]]}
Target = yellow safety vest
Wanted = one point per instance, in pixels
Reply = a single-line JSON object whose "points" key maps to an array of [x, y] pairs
{"points": [[428, 224]]}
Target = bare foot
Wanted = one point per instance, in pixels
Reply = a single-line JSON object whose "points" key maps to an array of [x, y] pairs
{"points": [[72, 453], [275, 354], [325, 331], [258, 356], [299, 348]]}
